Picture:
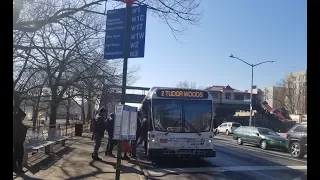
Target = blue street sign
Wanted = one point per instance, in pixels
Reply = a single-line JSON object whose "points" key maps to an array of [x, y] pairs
{"points": [[115, 29]]}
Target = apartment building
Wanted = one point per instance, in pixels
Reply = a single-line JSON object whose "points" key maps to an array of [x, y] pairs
{"points": [[296, 92], [275, 97], [256, 92]]}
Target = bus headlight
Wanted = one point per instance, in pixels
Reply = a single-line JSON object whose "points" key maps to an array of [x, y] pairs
{"points": [[210, 140], [153, 140]]}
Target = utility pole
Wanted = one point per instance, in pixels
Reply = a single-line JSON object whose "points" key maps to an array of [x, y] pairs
{"points": [[124, 79], [250, 121], [252, 66]]}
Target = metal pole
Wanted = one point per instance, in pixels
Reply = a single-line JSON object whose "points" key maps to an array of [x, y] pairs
{"points": [[124, 80], [251, 96]]}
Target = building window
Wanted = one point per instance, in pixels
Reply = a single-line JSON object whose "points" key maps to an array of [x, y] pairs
{"points": [[248, 96], [215, 95], [239, 97], [228, 96]]}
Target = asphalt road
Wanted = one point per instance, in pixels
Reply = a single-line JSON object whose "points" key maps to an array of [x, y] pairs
{"points": [[233, 162]]}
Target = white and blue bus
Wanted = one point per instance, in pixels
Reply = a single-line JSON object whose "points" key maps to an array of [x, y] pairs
{"points": [[180, 123]]}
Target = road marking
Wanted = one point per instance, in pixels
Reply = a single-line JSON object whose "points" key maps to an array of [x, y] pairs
{"points": [[269, 153], [161, 172]]}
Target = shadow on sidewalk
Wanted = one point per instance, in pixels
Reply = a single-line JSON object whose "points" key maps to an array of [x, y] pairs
{"points": [[123, 170], [50, 160], [26, 177]]}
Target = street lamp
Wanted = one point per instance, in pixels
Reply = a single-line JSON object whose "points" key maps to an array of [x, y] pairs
{"points": [[252, 65]]}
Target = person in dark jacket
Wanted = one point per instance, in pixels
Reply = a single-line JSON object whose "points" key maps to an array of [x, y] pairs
{"points": [[92, 123], [110, 128], [134, 143], [144, 133], [19, 136], [99, 128]]}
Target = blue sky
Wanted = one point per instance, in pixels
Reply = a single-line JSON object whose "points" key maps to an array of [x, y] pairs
{"points": [[253, 30]]}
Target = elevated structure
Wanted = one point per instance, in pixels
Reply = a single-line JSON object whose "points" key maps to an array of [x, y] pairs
{"points": [[111, 99], [224, 96]]}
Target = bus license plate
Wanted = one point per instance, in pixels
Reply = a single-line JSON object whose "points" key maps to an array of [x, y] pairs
{"points": [[163, 140]]}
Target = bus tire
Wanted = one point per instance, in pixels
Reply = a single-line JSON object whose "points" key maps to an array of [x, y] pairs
{"points": [[150, 156], [153, 159]]}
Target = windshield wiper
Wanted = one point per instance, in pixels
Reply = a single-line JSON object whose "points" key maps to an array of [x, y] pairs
{"points": [[193, 128], [173, 126]]}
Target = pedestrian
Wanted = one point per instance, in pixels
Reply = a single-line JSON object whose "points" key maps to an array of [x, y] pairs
{"points": [[92, 124], [99, 128], [144, 134], [126, 147], [19, 136], [134, 142], [110, 128]]}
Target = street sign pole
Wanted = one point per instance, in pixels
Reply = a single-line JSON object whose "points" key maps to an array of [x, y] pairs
{"points": [[124, 79]]}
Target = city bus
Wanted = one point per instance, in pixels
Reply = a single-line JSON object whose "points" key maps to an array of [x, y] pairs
{"points": [[180, 123]]}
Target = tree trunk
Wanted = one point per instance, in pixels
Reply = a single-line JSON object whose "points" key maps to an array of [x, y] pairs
{"points": [[89, 106], [53, 115], [34, 116], [68, 110], [83, 114], [36, 111]]}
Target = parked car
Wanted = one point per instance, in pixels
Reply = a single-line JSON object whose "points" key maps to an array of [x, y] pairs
{"points": [[263, 137], [227, 127], [297, 140]]}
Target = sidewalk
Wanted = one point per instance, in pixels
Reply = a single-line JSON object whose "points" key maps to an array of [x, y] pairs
{"points": [[74, 162]]}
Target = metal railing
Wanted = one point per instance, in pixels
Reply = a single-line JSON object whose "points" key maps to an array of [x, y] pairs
{"points": [[37, 136]]}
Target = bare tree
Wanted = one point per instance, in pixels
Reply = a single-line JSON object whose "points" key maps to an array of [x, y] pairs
{"points": [[61, 40], [290, 93], [295, 93], [32, 15], [187, 84], [202, 87], [64, 52], [277, 95]]}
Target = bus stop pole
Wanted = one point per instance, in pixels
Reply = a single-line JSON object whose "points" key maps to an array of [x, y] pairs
{"points": [[124, 79]]}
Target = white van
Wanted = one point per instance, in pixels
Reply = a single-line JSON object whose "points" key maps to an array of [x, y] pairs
{"points": [[227, 127]]}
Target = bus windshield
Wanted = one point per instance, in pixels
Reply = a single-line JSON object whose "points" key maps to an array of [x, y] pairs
{"points": [[172, 115]]}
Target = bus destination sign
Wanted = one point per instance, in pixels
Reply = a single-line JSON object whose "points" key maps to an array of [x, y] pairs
{"points": [[177, 93]]}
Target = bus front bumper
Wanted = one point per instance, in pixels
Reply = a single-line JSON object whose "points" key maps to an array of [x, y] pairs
{"points": [[183, 152]]}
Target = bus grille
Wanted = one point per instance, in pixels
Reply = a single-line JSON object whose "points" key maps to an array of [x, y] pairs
{"points": [[185, 152]]}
